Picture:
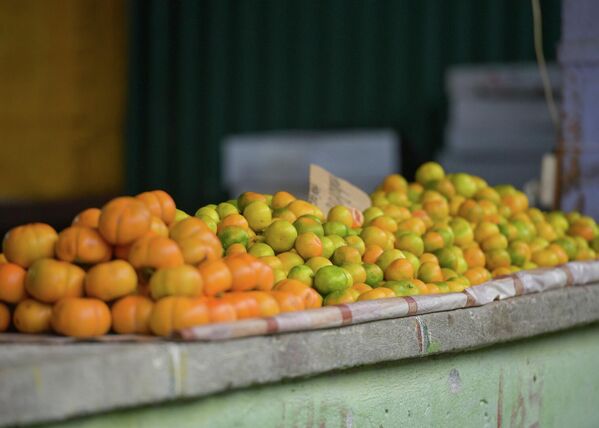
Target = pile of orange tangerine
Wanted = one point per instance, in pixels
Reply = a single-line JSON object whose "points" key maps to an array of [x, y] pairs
{"points": [[138, 265]]}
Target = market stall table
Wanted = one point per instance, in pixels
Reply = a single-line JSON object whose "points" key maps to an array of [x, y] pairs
{"points": [[431, 369]]}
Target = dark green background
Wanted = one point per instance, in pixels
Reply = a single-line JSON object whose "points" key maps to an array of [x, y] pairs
{"points": [[200, 70]]}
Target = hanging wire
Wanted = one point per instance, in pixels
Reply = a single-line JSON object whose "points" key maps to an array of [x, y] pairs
{"points": [[538, 42]]}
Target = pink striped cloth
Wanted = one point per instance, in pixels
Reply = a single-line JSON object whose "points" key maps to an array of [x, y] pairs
{"points": [[524, 282]]}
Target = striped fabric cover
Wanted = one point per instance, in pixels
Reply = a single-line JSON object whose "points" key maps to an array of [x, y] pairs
{"points": [[525, 282]]}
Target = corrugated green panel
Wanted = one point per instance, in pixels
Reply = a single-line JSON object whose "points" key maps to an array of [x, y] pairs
{"points": [[201, 70], [160, 85], [188, 111]]}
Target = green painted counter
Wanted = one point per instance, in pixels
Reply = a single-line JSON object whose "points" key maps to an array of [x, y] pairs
{"points": [[549, 381]]}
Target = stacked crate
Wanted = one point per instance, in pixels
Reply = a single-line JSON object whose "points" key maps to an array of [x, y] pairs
{"points": [[578, 151], [499, 126]]}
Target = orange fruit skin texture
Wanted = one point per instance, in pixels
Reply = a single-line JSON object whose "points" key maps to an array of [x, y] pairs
{"points": [[50, 280], [220, 310], [123, 220], [81, 317], [173, 313], [245, 305], [160, 204], [184, 280], [26, 244], [82, 244], [156, 252], [89, 218], [131, 315], [12, 283], [217, 277], [196, 241], [110, 280], [309, 296], [288, 302], [269, 307], [31, 316]]}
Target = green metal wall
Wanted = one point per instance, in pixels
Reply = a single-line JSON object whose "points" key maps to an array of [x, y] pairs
{"points": [[200, 70]]}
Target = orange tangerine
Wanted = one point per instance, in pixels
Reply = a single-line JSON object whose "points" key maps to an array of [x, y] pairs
{"points": [[489, 194], [462, 232], [485, 230], [341, 214], [258, 215], [288, 302], [423, 215], [233, 220], [374, 274], [433, 288], [345, 255], [428, 257], [489, 209], [300, 208], [308, 245], [433, 241], [302, 273], [385, 222], [424, 289], [474, 256], [546, 231], [356, 242], [388, 257], [496, 242], [394, 182], [559, 251], [448, 274], [341, 297], [583, 227], [361, 287], [316, 263], [399, 269], [517, 202], [280, 235], [309, 223], [377, 293], [309, 296], [372, 235], [397, 213], [289, 260], [497, 258], [284, 214], [281, 200], [454, 204], [332, 278], [429, 171], [464, 184], [519, 252], [371, 213], [444, 186], [409, 241], [247, 198], [273, 261], [413, 224], [235, 248], [501, 271], [436, 209], [357, 271], [430, 272], [477, 275], [268, 305], [471, 211]]}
